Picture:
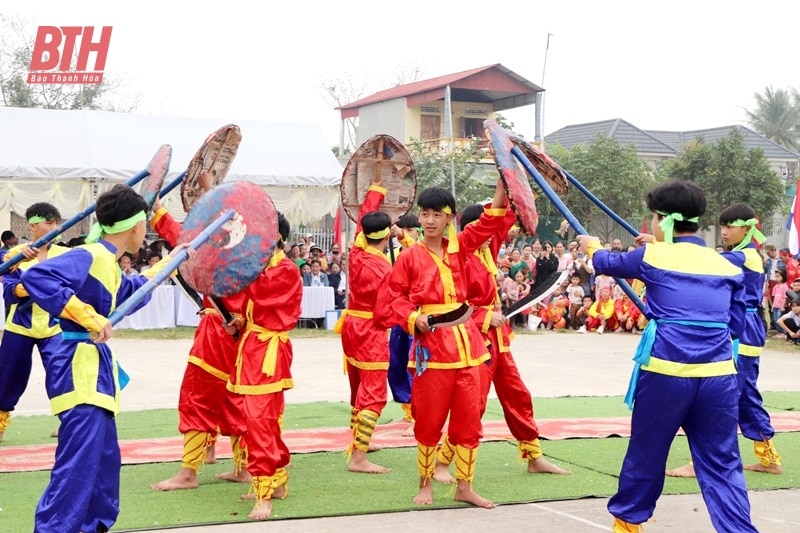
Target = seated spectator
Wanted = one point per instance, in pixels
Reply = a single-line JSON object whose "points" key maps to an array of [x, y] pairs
{"points": [[305, 268], [583, 313], [627, 313], [790, 323], [315, 278], [315, 254], [601, 314], [9, 241], [338, 280], [335, 255]]}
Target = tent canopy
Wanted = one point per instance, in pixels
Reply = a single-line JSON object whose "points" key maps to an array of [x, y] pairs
{"points": [[43, 150]]}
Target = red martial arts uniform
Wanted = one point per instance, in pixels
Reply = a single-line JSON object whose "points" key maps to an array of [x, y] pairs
{"points": [[514, 396], [447, 358], [203, 393], [263, 369], [365, 345]]}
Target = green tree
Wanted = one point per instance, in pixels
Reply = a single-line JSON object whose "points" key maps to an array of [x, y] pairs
{"points": [[729, 173], [474, 182], [777, 116], [15, 55], [613, 173]]}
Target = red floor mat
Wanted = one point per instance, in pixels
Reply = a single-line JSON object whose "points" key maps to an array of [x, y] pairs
{"points": [[40, 457]]}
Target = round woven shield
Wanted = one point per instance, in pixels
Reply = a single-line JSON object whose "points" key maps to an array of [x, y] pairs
{"points": [[385, 156], [515, 179], [549, 169], [237, 253], [215, 156], [158, 168]]}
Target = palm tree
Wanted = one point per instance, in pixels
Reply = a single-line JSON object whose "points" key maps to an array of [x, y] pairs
{"points": [[777, 116]]}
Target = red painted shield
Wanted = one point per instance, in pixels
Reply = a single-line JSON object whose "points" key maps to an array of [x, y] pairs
{"points": [[236, 254], [158, 168], [215, 156], [549, 169], [515, 179], [385, 156]]}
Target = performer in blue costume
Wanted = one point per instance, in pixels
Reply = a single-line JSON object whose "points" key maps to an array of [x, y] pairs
{"points": [[400, 378], [27, 325], [738, 223], [685, 376], [82, 287]]}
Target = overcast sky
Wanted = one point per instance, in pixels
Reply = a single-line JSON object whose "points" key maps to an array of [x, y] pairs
{"points": [[677, 65]]}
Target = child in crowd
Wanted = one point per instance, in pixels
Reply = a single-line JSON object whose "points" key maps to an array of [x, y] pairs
{"points": [[627, 313], [575, 293], [601, 314], [583, 313], [779, 290], [603, 281], [790, 323]]}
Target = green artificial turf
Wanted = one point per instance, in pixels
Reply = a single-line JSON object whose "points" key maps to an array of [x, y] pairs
{"points": [[160, 423], [320, 484]]}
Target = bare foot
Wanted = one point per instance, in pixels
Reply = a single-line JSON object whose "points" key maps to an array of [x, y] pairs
{"points": [[425, 494], [543, 466], [242, 477], [186, 478], [281, 492], [682, 471], [211, 454], [770, 469], [261, 511], [359, 463], [441, 473], [373, 448], [409, 431], [464, 493]]}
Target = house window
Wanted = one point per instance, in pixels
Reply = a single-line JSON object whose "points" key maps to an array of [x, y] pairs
{"points": [[470, 127]]}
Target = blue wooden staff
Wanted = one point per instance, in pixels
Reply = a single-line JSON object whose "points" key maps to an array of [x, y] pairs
{"points": [[6, 267], [171, 185], [607, 210], [542, 183], [142, 292]]}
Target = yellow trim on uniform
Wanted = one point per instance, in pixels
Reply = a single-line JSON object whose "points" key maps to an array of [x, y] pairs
{"points": [[217, 373], [365, 365], [495, 211], [85, 373], [337, 328], [750, 351], [487, 321], [157, 214], [412, 321], [593, 246], [267, 388], [271, 337], [688, 258], [438, 309], [378, 188], [753, 261], [689, 370]]}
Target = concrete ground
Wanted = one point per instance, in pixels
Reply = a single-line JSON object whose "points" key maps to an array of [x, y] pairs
{"points": [[553, 364]]}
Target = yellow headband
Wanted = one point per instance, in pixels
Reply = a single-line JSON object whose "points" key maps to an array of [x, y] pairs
{"points": [[378, 234]]}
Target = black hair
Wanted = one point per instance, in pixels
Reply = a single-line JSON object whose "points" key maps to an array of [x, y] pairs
{"points": [[7, 234], [678, 196], [76, 241], [471, 213], [314, 261], [44, 210], [375, 221], [782, 274], [740, 211], [436, 198], [284, 228], [408, 221], [119, 203]]}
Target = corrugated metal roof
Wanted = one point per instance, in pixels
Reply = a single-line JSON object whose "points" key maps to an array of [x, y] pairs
{"points": [[661, 142], [492, 83]]}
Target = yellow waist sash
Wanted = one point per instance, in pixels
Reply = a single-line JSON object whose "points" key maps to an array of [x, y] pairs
{"points": [[273, 338], [690, 370], [438, 309], [337, 328]]}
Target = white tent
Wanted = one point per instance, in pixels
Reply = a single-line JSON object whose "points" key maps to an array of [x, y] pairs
{"points": [[55, 156]]}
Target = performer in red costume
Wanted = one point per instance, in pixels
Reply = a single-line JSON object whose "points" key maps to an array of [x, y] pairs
{"points": [[203, 396], [430, 279], [514, 396], [263, 371], [365, 344]]}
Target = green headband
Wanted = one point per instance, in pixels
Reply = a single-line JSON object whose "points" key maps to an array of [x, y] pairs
{"points": [[753, 233], [98, 230], [668, 223]]}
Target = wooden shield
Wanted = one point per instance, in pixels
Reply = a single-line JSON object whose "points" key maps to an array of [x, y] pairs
{"points": [[515, 178], [215, 156], [549, 169], [236, 254], [158, 168], [383, 156]]}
